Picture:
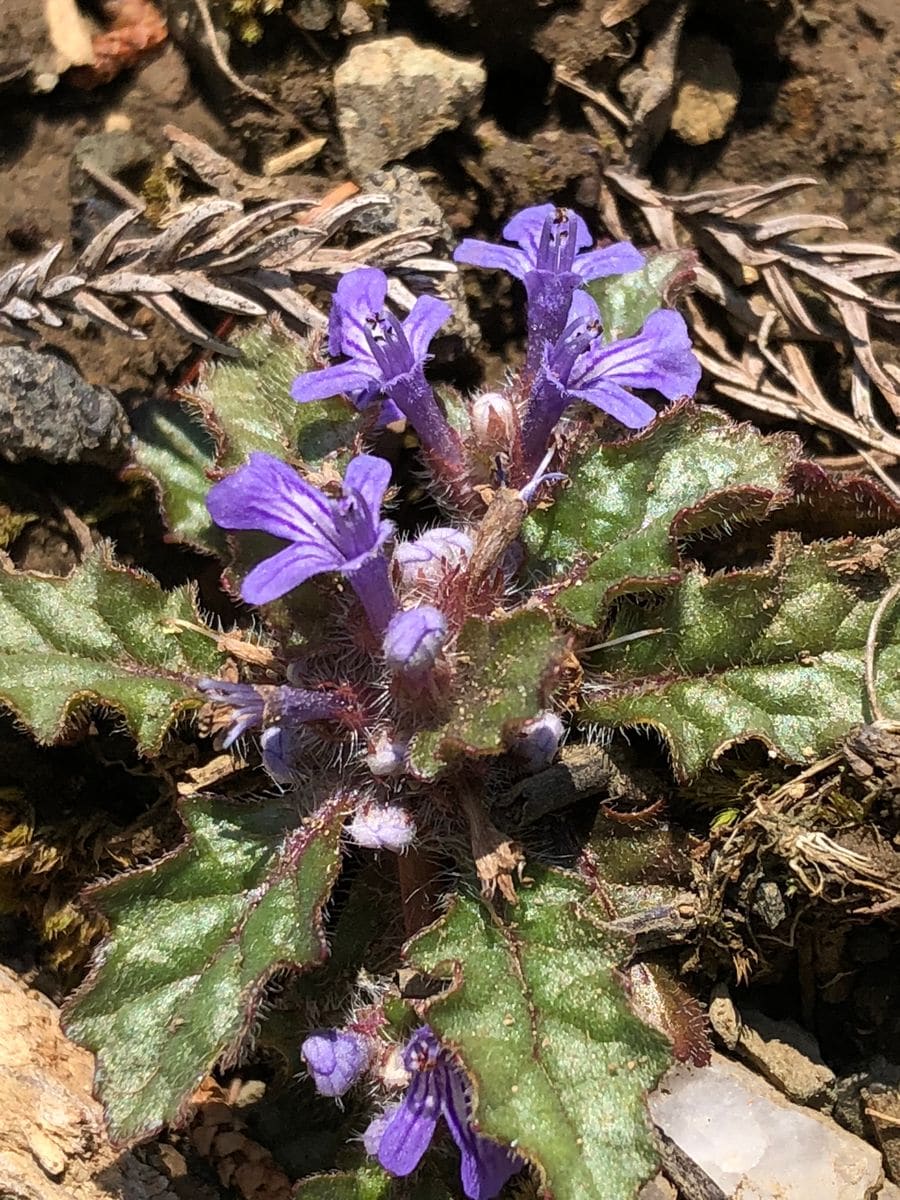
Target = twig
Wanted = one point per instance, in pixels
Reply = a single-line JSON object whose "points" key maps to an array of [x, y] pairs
{"points": [[225, 66], [595, 95], [129, 198], [871, 643]]}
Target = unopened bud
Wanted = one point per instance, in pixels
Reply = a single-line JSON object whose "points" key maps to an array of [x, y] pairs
{"points": [[414, 638], [382, 825], [494, 421], [335, 1059], [537, 742], [424, 562], [386, 758]]}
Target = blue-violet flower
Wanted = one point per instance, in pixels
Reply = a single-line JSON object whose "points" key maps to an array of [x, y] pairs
{"points": [[439, 1088], [580, 366], [384, 357], [345, 535], [248, 707], [548, 263], [414, 638], [335, 1058], [537, 742]]}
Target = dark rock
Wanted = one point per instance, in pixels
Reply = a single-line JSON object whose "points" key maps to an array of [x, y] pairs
{"points": [[48, 411]]}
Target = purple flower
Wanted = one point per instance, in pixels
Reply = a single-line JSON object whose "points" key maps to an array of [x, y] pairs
{"points": [[281, 711], [548, 263], [538, 740], [382, 825], [579, 366], [345, 535], [414, 638], [384, 357], [439, 1088], [245, 706], [335, 1059]]}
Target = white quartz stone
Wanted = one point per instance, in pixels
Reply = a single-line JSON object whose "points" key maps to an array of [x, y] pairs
{"points": [[757, 1145]]}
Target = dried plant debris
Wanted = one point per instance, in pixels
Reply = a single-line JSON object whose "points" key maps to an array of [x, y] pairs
{"points": [[780, 294], [225, 254]]}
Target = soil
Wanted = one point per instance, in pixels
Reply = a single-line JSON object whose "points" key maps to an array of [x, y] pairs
{"points": [[819, 94]]}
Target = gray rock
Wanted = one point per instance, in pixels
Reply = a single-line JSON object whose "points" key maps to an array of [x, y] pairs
{"points": [[411, 206], [314, 15], [753, 1143], [113, 153], [783, 1051], [48, 411], [393, 96], [354, 19], [788, 1056]]}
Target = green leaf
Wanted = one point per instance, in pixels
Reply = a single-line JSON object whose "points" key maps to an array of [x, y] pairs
{"points": [[193, 939], [247, 405], [775, 654], [626, 301], [175, 452], [105, 636], [372, 1183], [559, 1062], [692, 470], [368, 1183], [506, 667]]}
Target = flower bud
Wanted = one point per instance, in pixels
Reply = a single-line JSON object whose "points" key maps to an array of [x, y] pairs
{"points": [[376, 1127], [414, 638], [494, 421], [537, 742], [386, 758], [335, 1059], [277, 758], [382, 825], [424, 562]]}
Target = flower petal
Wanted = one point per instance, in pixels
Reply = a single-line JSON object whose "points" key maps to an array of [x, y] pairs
{"points": [[280, 574], [368, 477], [617, 259], [526, 227], [583, 308], [659, 357], [268, 495], [408, 1133], [486, 1168], [612, 399], [348, 378], [359, 296], [426, 317], [490, 256]]}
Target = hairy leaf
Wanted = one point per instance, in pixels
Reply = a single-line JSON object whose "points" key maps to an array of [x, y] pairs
{"points": [[368, 1183], [626, 301], [173, 449], [559, 1062], [247, 405], [105, 636], [692, 470], [506, 668], [775, 654], [193, 938], [372, 1183]]}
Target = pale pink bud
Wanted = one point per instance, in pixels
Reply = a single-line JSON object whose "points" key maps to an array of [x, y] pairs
{"points": [[424, 562], [494, 421]]}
